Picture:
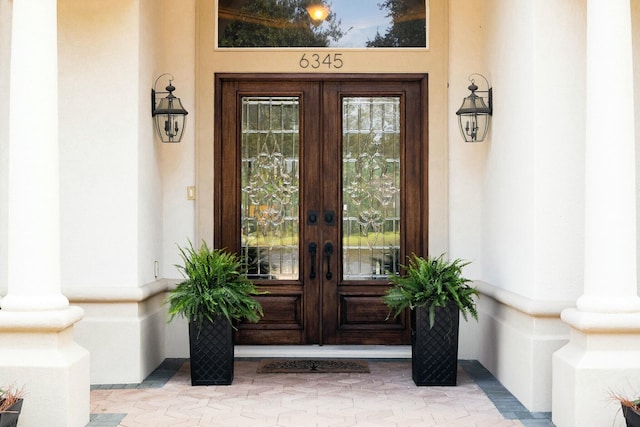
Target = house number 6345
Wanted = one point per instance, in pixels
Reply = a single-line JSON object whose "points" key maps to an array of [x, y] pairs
{"points": [[316, 61]]}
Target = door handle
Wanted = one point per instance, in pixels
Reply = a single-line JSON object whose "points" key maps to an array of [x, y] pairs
{"points": [[328, 251], [312, 251]]}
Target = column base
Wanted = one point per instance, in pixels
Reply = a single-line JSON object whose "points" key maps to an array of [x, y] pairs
{"points": [[601, 359], [38, 353]]}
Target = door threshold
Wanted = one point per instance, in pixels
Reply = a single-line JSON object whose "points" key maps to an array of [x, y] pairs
{"points": [[325, 351]]}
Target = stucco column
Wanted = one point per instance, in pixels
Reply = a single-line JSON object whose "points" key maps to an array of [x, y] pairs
{"points": [[604, 348], [610, 188], [34, 188], [37, 348]]}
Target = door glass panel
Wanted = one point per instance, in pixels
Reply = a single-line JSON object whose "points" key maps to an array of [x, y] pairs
{"points": [[370, 186], [270, 183]]}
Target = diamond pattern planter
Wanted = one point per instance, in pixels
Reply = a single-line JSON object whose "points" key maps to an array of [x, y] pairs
{"points": [[212, 352], [631, 416], [10, 417], [434, 352]]}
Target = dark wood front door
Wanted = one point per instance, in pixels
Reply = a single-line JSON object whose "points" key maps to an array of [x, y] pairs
{"points": [[320, 186]]}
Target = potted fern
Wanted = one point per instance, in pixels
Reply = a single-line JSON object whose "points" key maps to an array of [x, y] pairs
{"points": [[10, 406], [436, 293], [215, 293]]}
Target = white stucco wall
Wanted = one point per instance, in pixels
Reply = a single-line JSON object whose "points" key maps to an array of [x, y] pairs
{"points": [[149, 184], [178, 56], [509, 202], [118, 179], [99, 130], [559, 149], [533, 204], [467, 161]]}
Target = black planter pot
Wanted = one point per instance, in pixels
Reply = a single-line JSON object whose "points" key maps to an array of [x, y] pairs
{"points": [[10, 417], [434, 351], [631, 416], [211, 350]]}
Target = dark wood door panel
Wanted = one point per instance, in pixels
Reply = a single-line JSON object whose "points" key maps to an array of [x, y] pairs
{"points": [[323, 304], [365, 311], [281, 310]]}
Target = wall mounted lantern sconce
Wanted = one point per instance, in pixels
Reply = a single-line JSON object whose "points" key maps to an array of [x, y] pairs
{"points": [[169, 114], [473, 115]]}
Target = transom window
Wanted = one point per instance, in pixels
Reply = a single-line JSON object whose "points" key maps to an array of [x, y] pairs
{"points": [[322, 23]]}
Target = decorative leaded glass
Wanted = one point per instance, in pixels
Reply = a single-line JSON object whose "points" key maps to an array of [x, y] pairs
{"points": [[371, 187], [270, 183]]}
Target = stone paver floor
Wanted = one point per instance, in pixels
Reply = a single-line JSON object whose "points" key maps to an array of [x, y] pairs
{"points": [[386, 396]]}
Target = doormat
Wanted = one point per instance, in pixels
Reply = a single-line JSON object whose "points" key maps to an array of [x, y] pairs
{"points": [[322, 366]]}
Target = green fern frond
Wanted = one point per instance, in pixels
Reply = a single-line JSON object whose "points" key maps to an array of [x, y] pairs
{"points": [[432, 283], [215, 283]]}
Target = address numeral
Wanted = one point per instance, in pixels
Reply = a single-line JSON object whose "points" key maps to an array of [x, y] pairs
{"points": [[316, 61]]}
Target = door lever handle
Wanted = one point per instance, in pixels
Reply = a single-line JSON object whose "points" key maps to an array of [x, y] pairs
{"points": [[312, 251], [328, 251]]}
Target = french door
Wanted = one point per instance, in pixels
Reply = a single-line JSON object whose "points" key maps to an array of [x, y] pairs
{"points": [[320, 187]]}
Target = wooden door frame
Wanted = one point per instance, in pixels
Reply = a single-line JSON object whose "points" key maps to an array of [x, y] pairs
{"points": [[417, 202]]}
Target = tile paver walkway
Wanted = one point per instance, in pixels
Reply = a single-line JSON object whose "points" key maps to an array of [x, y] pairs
{"points": [[386, 396]]}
